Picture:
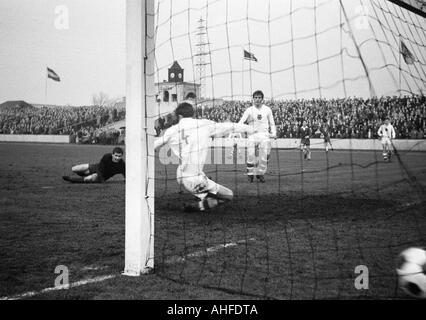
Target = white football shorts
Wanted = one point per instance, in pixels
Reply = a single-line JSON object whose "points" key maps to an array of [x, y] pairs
{"points": [[199, 185], [261, 140], [386, 141], [259, 137]]}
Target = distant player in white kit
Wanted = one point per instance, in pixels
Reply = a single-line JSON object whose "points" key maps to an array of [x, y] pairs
{"points": [[190, 141], [387, 133], [259, 116]]}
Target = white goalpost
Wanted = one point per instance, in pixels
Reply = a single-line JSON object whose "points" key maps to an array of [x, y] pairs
{"points": [[139, 238]]}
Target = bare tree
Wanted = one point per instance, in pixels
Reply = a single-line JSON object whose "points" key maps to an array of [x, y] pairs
{"points": [[100, 99]]}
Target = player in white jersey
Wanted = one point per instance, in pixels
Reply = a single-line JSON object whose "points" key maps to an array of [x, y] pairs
{"points": [[259, 116], [190, 140], [387, 133]]}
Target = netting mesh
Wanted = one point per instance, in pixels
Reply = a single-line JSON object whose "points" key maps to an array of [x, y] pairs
{"points": [[302, 233]]}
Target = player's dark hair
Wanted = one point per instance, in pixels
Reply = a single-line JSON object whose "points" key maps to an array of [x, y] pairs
{"points": [[185, 110], [258, 93], [117, 150]]}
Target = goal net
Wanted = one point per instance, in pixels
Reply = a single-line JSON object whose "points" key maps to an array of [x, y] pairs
{"points": [[325, 224]]}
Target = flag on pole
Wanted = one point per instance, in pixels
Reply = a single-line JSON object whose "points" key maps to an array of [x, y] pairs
{"points": [[249, 56], [52, 75], [406, 54]]}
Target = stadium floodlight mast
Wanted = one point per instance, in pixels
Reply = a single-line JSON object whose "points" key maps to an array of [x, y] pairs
{"points": [[139, 228]]}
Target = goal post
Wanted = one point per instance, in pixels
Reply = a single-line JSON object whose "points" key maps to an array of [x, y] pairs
{"points": [[139, 217]]}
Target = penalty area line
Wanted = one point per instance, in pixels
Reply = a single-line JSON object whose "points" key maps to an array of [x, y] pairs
{"points": [[80, 283], [175, 259], [208, 251]]}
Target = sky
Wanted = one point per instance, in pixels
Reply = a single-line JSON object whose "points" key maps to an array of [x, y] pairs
{"points": [[301, 49], [89, 56]]}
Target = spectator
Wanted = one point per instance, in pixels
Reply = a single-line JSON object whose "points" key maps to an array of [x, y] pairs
{"points": [[348, 117], [80, 122]]}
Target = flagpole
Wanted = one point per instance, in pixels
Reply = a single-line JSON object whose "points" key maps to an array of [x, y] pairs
{"points": [[242, 75], [45, 91], [399, 61], [251, 57]]}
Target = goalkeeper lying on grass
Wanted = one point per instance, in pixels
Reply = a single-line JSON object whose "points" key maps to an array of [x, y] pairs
{"points": [[110, 165]]}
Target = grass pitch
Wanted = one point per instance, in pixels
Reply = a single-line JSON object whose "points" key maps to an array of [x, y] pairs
{"points": [[299, 236]]}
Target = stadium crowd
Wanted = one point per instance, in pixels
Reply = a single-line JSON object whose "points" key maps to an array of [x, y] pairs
{"points": [[347, 118], [84, 124]]}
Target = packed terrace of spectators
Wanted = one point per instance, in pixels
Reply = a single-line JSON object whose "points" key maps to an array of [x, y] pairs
{"points": [[348, 118], [84, 124]]}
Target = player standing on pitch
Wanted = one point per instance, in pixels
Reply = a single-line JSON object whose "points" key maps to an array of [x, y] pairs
{"points": [[325, 130], [305, 142], [190, 141], [260, 117], [386, 132], [110, 165]]}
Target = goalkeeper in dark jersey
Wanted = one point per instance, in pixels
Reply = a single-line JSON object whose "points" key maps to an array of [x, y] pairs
{"points": [[110, 165]]}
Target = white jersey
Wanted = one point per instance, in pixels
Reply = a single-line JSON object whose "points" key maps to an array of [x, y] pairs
{"points": [[190, 141], [260, 119], [386, 131]]}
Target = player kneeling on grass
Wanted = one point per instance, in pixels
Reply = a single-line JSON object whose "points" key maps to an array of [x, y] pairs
{"points": [[190, 141], [110, 165], [386, 132]]}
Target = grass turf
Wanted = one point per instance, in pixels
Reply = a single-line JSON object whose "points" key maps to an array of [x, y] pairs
{"points": [[299, 236]]}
